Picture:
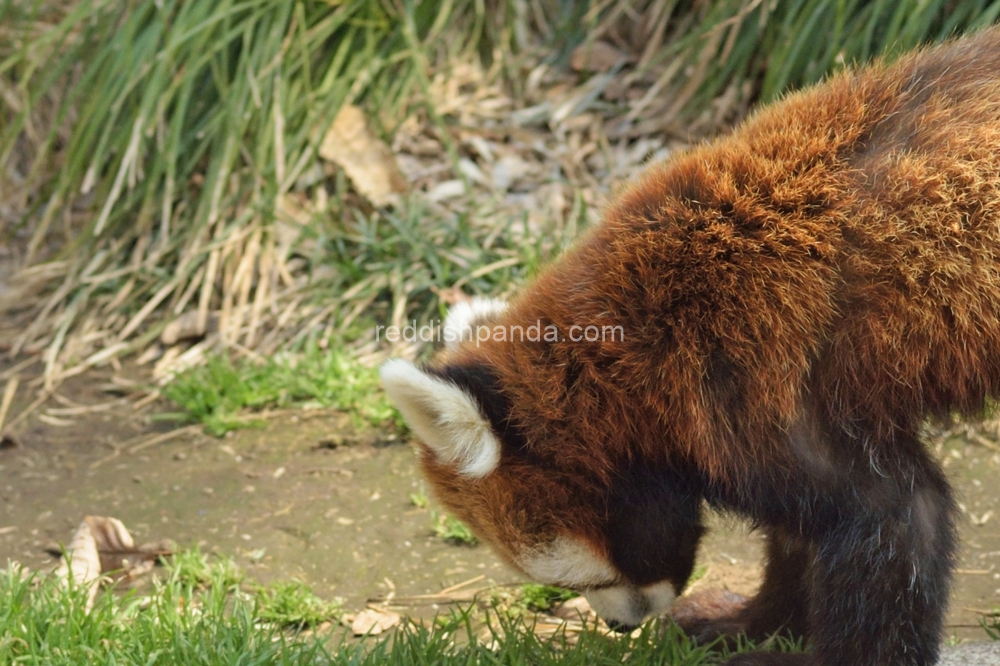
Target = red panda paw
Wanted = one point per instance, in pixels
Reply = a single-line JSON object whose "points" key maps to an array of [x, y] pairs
{"points": [[709, 614]]}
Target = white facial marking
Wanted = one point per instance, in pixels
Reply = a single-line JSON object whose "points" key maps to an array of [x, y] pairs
{"points": [[659, 596], [629, 605], [444, 417], [567, 562], [462, 319], [621, 604]]}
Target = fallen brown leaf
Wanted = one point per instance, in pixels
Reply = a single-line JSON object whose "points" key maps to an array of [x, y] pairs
{"points": [[577, 608], [366, 160], [103, 545], [450, 295], [82, 562], [186, 327], [595, 57], [371, 622]]}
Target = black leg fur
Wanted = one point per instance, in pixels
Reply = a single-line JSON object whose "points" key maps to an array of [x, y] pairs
{"points": [[882, 553], [782, 604], [881, 577], [779, 607]]}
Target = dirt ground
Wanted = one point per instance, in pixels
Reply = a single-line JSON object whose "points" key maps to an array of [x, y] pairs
{"points": [[305, 497]]}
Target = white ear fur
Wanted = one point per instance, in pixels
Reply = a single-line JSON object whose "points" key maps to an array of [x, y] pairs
{"points": [[444, 416], [462, 319]]}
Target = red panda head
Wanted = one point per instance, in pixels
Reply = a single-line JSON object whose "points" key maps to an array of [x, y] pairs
{"points": [[622, 531]]}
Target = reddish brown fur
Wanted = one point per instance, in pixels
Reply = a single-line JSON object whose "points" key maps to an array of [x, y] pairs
{"points": [[796, 298]]}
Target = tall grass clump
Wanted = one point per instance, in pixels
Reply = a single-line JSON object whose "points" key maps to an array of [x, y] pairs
{"points": [[152, 145], [152, 153], [710, 59]]}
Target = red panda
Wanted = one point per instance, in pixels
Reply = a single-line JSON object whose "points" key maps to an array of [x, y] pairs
{"points": [[792, 302]]}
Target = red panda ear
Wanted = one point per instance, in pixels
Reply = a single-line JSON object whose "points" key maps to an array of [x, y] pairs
{"points": [[444, 416], [464, 317]]}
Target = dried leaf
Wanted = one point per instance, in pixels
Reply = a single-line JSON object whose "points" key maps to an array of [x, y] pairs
{"points": [[508, 170], [371, 622], [472, 171], [54, 421], [82, 562], [449, 189], [153, 352], [979, 521], [595, 57], [532, 115], [367, 160], [186, 327], [103, 545], [577, 608], [8, 398], [289, 222], [110, 538], [450, 295], [175, 361]]}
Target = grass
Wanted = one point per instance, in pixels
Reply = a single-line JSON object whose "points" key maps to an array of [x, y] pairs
{"points": [[991, 624], [222, 392], [419, 499], [749, 51], [201, 612], [452, 529], [178, 130], [180, 621], [193, 570], [292, 604], [443, 525], [159, 155], [198, 614], [543, 597]]}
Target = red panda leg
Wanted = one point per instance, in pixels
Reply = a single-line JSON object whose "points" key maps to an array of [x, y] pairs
{"points": [[880, 582], [884, 547], [780, 605]]}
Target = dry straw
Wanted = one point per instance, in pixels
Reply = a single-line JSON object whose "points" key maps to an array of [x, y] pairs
{"points": [[161, 160]]}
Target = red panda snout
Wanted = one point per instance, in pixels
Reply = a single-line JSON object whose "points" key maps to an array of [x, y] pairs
{"points": [[570, 562], [624, 607]]}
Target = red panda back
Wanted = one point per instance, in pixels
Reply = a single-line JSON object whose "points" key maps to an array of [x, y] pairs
{"points": [[840, 244]]}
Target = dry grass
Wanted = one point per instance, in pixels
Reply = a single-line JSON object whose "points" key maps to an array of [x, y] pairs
{"points": [[162, 163]]}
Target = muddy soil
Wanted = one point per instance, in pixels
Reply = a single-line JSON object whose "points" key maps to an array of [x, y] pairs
{"points": [[309, 498]]}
